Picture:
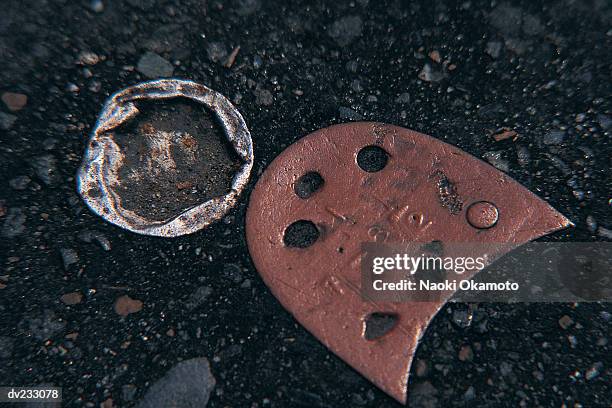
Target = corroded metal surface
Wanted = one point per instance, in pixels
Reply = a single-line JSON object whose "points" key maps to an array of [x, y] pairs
{"points": [[421, 192], [98, 177]]}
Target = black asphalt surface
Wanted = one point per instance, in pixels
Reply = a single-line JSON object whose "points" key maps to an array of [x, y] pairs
{"points": [[460, 72]]}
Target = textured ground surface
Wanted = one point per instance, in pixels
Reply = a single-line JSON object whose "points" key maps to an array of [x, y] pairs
{"points": [[460, 72], [175, 156]]}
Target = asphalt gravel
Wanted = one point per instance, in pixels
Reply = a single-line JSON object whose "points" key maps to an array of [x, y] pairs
{"points": [[524, 85]]}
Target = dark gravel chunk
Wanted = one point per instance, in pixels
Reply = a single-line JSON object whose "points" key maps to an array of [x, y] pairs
{"points": [[69, 257], [216, 51], [423, 395], [152, 65], [605, 121], [554, 137], [522, 155], [591, 224], [198, 297], [45, 326], [604, 233], [233, 272], [91, 236], [428, 74], [186, 385], [7, 120], [20, 182], [346, 30], [403, 98], [532, 25], [349, 114], [506, 18], [263, 97], [14, 223], [497, 160], [494, 48], [46, 169], [128, 392]]}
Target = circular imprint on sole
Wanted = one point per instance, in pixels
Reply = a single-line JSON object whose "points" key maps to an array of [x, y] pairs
{"points": [[166, 158]]}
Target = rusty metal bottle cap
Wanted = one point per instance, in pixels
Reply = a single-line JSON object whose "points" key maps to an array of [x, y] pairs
{"points": [[98, 177], [345, 185]]}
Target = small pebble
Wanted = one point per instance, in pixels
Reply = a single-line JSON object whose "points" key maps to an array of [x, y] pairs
{"points": [[565, 322], [604, 233], [554, 137], [232, 58], [428, 74], [152, 66], [422, 369], [263, 97], [45, 167], [462, 318], [216, 52], [95, 86], [435, 56], [128, 392], [504, 134], [496, 159], [14, 101], [505, 368], [198, 297], [97, 6], [187, 384], [88, 58], [13, 223], [69, 257], [7, 120], [71, 298], [494, 49], [20, 182], [45, 326], [91, 236], [72, 88], [403, 98], [522, 155], [349, 114], [580, 118], [125, 305], [591, 224], [594, 371], [352, 66], [356, 86], [345, 30], [470, 393], [466, 353]]}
